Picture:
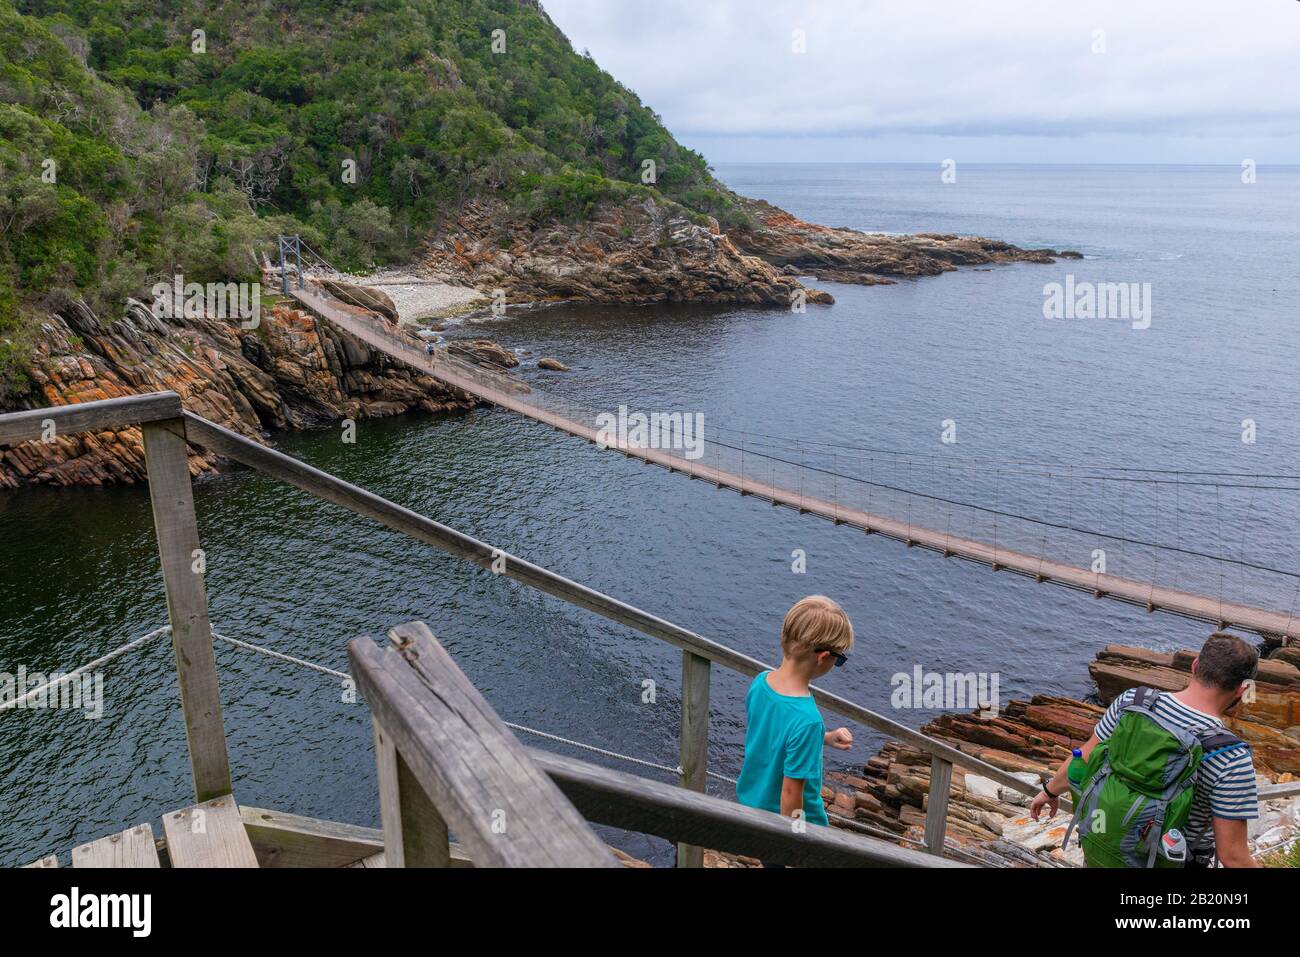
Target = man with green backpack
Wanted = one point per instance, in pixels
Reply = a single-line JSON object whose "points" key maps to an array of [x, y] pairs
{"points": [[1162, 782]]}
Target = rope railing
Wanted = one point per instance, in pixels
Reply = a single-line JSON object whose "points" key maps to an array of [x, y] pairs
{"points": [[545, 735], [64, 678]]}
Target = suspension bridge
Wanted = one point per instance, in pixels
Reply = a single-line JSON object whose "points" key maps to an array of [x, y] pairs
{"points": [[751, 466]]}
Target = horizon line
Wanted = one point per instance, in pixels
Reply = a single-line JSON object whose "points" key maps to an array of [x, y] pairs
{"points": [[983, 163]]}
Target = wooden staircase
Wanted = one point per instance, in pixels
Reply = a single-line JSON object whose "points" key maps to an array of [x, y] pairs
{"points": [[211, 834]]}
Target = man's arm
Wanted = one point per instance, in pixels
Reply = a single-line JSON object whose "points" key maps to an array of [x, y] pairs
{"points": [[1060, 782], [1230, 842], [791, 796]]}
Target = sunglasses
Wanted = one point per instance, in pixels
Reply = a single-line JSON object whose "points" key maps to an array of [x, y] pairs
{"points": [[839, 658]]}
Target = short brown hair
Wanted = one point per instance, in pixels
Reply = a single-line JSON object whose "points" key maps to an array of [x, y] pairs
{"points": [[816, 623], [1226, 661]]}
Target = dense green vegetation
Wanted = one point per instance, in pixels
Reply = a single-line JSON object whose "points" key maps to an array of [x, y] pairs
{"points": [[132, 146]]}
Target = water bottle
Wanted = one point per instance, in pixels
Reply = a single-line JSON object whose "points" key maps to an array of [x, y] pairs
{"points": [[1076, 771], [1173, 846]]}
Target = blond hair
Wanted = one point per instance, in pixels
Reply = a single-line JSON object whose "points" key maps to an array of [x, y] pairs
{"points": [[816, 623]]}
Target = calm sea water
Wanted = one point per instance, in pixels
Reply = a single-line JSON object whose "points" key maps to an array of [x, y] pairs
{"points": [[882, 369]]}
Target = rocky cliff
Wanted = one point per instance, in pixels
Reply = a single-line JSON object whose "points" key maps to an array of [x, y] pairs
{"points": [[290, 372], [641, 251], [645, 251]]}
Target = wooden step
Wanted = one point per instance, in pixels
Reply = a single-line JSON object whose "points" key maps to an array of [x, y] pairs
{"points": [[208, 835], [134, 847], [51, 861]]}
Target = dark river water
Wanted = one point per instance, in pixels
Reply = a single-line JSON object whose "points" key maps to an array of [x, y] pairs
{"points": [[882, 370]]}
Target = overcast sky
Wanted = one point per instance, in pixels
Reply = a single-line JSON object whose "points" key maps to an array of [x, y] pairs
{"points": [[1017, 81]]}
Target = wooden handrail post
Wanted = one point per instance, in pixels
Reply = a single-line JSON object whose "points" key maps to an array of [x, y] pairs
{"points": [[453, 760], [187, 605], [936, 808], [695, 740], [415, 834]]}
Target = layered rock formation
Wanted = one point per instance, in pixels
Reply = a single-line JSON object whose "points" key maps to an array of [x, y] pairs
{"points": [[846, 255], [637, 252], [643, 251], [290, 372]]}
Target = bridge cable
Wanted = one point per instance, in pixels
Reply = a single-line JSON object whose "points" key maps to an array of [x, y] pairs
{"points": [[1040, 521]]}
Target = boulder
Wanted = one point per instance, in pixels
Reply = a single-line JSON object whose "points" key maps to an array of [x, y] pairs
{"points": [[364, 297], [483, 352]]}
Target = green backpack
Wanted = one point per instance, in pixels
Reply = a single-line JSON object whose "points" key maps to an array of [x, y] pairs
{"points": [[1138, 785]]}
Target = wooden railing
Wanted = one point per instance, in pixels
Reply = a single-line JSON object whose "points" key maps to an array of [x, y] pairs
{"points": [[159, 416], [448, 765], [698, 653], [167, 429]]}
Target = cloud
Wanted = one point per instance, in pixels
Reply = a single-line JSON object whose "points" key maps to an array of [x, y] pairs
{"points": [[909, 69]]}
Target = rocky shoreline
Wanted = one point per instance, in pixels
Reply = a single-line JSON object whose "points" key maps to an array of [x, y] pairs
{"points": [[642, 251], [292, 373], [845, 255]]}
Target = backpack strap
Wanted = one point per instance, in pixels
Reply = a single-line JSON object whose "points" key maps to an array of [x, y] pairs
{"points": [[1143, 697], [1156, 831], [1218, 741], [1086, 803]]}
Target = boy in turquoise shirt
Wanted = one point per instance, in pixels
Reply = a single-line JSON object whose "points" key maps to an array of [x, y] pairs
{"points": [[784, 733]]}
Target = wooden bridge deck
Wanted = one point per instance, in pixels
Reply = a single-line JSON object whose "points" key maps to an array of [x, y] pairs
{"points": [[482, 385]]}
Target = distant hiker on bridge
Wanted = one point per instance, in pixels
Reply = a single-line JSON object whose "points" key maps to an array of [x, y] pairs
{"points": [[1162, 782], [784, 732]]}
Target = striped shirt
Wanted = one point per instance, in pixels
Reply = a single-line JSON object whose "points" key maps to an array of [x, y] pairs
{"points": [[1225, 783]]}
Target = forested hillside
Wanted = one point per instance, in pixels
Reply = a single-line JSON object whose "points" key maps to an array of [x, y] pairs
{"points": [[142, 137]]}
